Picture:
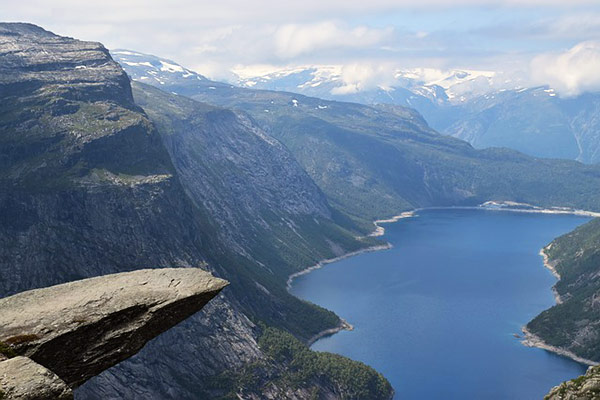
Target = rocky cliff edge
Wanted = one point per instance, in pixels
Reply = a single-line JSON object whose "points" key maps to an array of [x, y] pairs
{"points": [[56, 338]]}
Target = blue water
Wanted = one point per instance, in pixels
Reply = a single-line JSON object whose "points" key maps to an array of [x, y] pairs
{"points": [[437, 313]]}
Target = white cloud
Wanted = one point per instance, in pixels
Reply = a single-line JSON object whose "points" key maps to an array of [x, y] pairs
{"points": [[572, 72], [295, 39], [365, 76], [367, 37]]}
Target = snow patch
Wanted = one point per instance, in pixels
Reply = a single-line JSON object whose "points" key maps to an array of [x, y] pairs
{"points": [[139, 64], [126, 53], [168, 67]]}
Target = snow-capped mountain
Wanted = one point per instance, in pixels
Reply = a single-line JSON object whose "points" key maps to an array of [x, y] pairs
{"points": [[485, 108], [150, 69], [339, 82], [482, 107]]}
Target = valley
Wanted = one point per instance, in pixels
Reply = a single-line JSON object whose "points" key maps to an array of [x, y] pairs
{"points": [[110, 166]]}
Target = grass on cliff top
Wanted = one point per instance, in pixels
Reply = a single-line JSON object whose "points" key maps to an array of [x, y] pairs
{"points": [[7, 351]]}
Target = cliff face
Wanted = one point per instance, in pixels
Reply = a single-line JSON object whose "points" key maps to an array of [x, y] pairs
{"points": [[92, 187], [77, 330], [89, 187], [75, 153], [232, 167]]}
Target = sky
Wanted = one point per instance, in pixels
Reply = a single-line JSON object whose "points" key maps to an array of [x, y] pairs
{"points": [[555, 42]]}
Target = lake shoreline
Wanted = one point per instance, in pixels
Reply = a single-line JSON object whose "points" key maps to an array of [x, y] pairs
{"points": [[343, 326], [379, 231], [532, 340], [551, 267], [322, 263]]}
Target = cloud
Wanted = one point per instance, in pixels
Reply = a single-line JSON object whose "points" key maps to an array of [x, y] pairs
{"points": [[365, 76], [571, 72], [367, 37], [294, 39]]}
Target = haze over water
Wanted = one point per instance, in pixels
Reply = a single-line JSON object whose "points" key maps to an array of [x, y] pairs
{"points": [[437, 313]]}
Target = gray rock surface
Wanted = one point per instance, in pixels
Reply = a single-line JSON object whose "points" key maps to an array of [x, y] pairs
{"points": [[586, 387], [65, 64], [24, 379], [81, 328]]}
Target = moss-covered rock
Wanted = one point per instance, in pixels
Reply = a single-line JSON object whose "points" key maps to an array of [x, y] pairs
{"points": [[585, 387]]}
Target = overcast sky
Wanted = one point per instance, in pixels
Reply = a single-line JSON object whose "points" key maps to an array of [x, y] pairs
{"points": [[548, 41]]}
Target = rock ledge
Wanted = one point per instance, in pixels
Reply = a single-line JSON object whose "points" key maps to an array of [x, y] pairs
{"points": [[77, 330]]}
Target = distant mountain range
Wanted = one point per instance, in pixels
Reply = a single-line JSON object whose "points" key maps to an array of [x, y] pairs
{"points": [[484, 108], [438, 86], [372, 161]]}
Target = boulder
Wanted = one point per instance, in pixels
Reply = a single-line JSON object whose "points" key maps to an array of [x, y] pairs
{"points": [[23, 379]]}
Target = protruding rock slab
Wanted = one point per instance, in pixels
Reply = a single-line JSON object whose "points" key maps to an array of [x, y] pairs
{"points": [[23, 379], [79, 329]]}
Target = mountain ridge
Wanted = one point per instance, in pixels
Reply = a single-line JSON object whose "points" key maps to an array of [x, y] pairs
{"points": [[485, 108]]}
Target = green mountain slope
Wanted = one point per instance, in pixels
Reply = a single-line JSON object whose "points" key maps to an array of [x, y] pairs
{"points": [[574, 325]]}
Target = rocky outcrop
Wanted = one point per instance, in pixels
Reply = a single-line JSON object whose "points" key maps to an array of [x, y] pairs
{"points": [[79, 329], [68, 66], [586, 387], [23, 379]]}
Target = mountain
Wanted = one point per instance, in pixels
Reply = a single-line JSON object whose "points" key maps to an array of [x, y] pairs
{"points": [[484, 108], [94, 184], [334, 82], [572, 326], [431, 92], [158, 71], [536, 121], [376, 161]]}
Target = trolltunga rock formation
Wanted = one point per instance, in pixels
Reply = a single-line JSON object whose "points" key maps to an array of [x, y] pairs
{"points": [[71, 332]]}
